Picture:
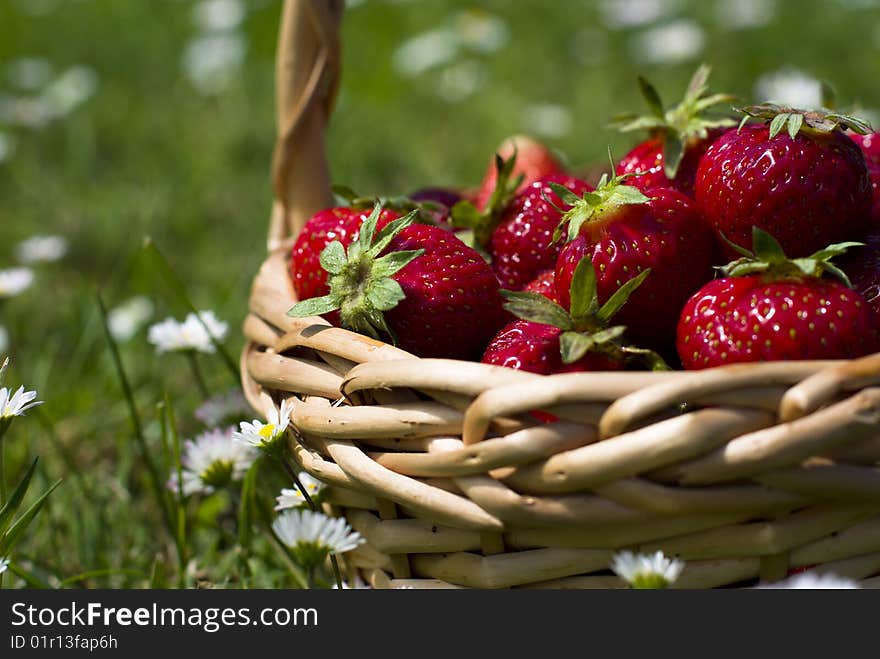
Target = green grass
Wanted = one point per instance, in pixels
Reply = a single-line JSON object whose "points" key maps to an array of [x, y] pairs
{"points": [[148, 155]]}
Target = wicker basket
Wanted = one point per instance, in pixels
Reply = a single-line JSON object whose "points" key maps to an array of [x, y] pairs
{"points": [[744, 472]]}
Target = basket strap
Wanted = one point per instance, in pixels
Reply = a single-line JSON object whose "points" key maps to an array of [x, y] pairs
{"points": [[306, 79]]}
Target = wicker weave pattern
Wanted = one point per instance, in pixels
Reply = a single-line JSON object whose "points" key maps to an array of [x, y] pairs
{"points": [[743, 471]]}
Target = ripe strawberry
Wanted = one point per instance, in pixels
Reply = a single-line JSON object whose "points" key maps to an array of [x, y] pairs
{"points": [[870, 146], [420, 285], [770, 308], [516, 231], [807, 186], [544, 283], [341, 223], [863, 268], [549, 339], [533, 161], [626, 232], [678, 137]]}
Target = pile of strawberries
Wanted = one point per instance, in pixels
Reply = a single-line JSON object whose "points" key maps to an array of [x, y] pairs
{"points": [[711, 242]]}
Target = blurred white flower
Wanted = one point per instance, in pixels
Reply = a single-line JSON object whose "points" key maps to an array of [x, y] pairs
{"points": [[212, 460], [646, 570], [25, 111], [171, 335], [7, 146], [125, 320], [635, 13], [673, 42], [212, 61], [223, 408], [28, 73], [4, 563], [41, 249], [14, 280], [293, 498], [743, 14], [461, 80], [266, 436], [814, 581], [69, 90], [548, 119], [311, 536], [479, 30], [789, 86], [426, 51], [16, 404], [4, 339], [218, 15]]}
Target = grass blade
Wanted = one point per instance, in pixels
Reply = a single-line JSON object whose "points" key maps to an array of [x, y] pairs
{"points": [[8, 541], [11, 506]]}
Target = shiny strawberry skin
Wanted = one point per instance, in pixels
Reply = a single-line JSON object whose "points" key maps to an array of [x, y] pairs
{"points": [[522, 243], [647, 157], [534, 347], [452, 306], [870, 146], [666, 235], [545, 284], [750, 319], [807, 192], [342, 223], [533, 161]]}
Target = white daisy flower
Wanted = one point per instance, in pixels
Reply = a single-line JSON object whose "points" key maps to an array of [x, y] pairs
{"points": [[14, 280], [125, 320], [674, 42], [293, 498], [69, 90], [646, 570], [211, 62], [743, 14], [41, 249], [218, 15], [789, 86], [223, 409], [266, 436], [814, 581], [16, 404], [311, 536], [548, 119], [426, 51], [620, 14], [212, 460], [4, 563], [171, 335]]}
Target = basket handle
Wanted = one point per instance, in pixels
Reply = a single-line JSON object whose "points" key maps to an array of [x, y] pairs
{"points": [[306, 80]]}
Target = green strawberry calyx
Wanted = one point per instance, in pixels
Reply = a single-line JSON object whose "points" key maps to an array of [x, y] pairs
{"points": [[361, 282], [681, 124], [479, 224], [768, 259], [594, 207], [794, 120], [586, 327]]}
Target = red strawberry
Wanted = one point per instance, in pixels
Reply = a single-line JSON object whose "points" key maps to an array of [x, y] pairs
{"points": [[770, 308], [342, 223], [522, 244], [420, 285], [549, 339], [808, 186], [862, 265], [533, 161], [679, 136], [626, 232], [545, 284], [870, 146]]}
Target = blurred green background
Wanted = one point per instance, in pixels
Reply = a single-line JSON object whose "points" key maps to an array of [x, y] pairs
{"points": [[120, 120]]}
